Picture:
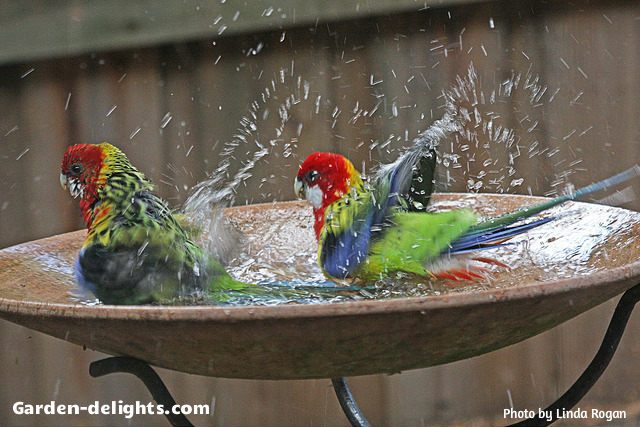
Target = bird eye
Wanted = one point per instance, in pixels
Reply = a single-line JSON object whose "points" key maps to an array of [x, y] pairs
{"points": [[75, 169], [312, 176]]}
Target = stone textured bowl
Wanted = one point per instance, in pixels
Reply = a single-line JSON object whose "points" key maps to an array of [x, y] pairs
{"points": [[298, 341]]}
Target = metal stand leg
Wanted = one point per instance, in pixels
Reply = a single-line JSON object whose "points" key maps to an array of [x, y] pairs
{"points": [[150, 379], [569, 399], [599, 363], [348, 403]]}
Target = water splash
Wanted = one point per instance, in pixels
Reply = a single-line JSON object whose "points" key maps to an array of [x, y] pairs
{"points": [[484, 151], [208, 199], [205, 207]]}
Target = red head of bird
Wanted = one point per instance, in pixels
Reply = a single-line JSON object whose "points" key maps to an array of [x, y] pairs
{"points": [[322, 179], [80, 173], [96, 173]]}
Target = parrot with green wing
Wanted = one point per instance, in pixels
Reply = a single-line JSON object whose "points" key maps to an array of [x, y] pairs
{"points": [[136, 251], [370, 231]]}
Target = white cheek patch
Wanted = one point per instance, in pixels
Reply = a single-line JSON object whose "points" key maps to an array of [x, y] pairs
{"points": [[314, 196], [75, 188]]}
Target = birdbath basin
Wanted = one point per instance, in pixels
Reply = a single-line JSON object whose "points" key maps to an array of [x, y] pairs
{"points": [[585, 257]]}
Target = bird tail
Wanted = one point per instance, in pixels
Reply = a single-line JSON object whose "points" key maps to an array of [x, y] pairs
{"points": [[284, 292], [494, 232], [222, 288], [512, 217]]}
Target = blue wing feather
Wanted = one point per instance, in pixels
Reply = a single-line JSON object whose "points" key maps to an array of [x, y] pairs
{"points": [[473, 240], [82, 281], [481, 248], [342, 253]]}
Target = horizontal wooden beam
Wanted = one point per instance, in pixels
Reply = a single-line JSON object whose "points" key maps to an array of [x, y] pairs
{"points": [[41, 29]]}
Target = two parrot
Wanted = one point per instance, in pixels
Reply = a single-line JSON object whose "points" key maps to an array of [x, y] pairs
{"points": [[137, 252]]}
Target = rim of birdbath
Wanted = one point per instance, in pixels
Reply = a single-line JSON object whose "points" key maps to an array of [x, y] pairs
{"points": [[320, 340]]}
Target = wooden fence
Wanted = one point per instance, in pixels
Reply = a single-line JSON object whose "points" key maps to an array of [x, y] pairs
{"points": [[363, 86]]}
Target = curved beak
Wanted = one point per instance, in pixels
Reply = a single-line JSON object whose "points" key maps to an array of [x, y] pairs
{"points": [[298, 187], [63, 181]]}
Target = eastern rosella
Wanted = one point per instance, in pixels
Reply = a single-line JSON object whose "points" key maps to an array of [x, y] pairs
{"points": [[136, 251], [368, 232]]}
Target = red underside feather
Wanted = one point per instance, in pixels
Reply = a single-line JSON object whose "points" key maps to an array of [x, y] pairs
{"points": [[471, 272]]}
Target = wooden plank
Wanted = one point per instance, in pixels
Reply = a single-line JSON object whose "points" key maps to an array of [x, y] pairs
{"points": [[290, 77], [140, 111], [224, 92], [44, 29], [12, 159], [527, 118], [93, 98], [177, 127], [46, 132]]}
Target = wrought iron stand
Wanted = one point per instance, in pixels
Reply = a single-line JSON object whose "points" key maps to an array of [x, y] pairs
{"points": [[567, 401]]}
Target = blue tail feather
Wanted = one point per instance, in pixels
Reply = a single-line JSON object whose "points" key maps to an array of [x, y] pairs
{"points": [[481, 248], [523, 213], [500, 228], [475, 239]]}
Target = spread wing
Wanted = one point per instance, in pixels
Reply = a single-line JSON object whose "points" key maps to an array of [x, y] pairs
{"points": [[357, 220]]}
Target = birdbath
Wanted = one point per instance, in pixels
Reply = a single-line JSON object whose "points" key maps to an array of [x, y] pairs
{"points": [[585, 257]]}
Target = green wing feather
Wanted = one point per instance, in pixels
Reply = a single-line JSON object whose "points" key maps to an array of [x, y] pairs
{"points": [[412, 240]]}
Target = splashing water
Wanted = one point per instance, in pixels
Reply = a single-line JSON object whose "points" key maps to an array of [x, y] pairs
{"points": [[484, 151], [205, 205]]}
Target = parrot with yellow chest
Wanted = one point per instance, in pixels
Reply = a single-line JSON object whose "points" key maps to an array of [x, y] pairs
{"points": [[136, 251]]}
